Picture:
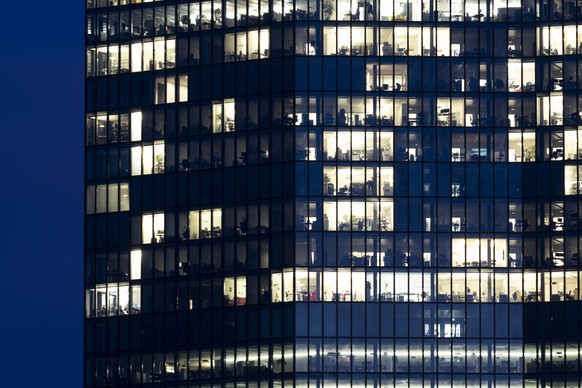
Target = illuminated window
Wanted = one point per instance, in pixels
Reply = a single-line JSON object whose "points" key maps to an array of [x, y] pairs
{"points": [[108, 198], [205, 223], [235, 291], [522, 147], [148, 159], [112, 299], [153, 228], [223, 116], [572, 184]]}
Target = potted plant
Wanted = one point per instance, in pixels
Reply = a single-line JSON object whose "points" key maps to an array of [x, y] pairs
{"points": [[159, 164], [529, 154], [327, 189], [217, 123], [185, 21], [328, 8], [217, 17]]}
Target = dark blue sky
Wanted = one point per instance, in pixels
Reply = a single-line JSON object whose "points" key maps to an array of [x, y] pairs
{"points": [[41, 228]]}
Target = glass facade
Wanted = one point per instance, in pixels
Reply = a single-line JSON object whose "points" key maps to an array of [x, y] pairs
{"points": [[333, 193]]}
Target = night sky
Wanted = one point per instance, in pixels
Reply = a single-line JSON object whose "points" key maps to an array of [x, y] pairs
{"points": [[41, 228]]}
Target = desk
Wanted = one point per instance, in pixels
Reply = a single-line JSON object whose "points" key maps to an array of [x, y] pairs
{"points": [[343, 51], [354, 226], [532, 296], [301, 14], [386, 297], [443, 120], [302, 296], [514, 87], [342, 297], [216, 231], [401, 51], [513, 53], [343, 191], [408, 297], [443, 298], [458, 298], [362, 261], [159, 237], [358, 188]]}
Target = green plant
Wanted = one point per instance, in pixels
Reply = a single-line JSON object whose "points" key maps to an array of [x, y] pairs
{"points": [[529, 154], [349, 219], [159, 167], [328, 8], [185, 20], [218, 16], [216, 124]]}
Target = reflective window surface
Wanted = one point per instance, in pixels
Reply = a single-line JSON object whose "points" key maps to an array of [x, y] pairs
{"points": [[337, 193]]}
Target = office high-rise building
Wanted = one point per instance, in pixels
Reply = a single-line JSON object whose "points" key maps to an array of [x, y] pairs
{"points": [[333, 193]]}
